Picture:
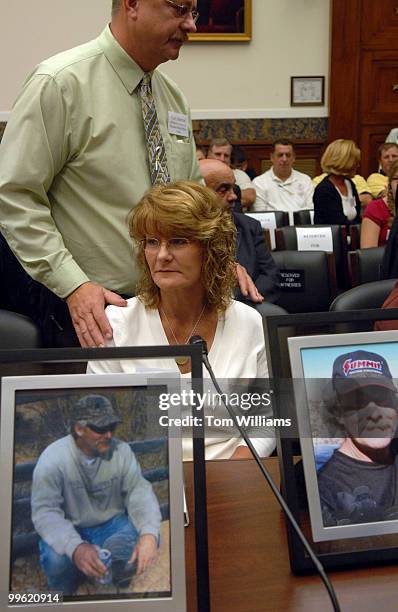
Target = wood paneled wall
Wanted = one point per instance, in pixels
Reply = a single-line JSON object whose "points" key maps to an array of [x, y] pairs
{"points": [[364, 74]]}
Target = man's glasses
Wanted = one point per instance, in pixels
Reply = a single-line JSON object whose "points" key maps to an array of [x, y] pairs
{"points": [[360, 398], [102, 430], [183, 10], [172, 244]]}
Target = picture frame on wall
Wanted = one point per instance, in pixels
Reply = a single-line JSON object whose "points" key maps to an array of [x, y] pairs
{"points": [[223, 21], [307, 91], [38, 425]]}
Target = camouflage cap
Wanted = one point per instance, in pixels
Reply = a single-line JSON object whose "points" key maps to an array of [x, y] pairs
{"points": [[95, 410]]}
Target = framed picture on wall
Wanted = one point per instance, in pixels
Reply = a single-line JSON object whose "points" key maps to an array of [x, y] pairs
{"points": [[91, 507], [223, 20], [307, 91]]}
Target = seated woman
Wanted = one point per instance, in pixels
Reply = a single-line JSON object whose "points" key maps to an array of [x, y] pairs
{"points": [[336, 199], [379, 214], [185, 242]]}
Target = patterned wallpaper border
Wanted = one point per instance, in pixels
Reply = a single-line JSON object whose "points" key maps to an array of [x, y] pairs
{"points": [[252, 130]]}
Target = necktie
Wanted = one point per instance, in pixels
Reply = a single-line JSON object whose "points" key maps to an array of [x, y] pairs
{"points": [[155, 145]]}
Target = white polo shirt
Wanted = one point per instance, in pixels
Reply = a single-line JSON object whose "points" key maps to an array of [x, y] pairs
{"points": [[274, 194], [242, 179]]}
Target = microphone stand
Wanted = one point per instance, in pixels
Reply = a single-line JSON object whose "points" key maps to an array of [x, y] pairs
{"points": [[268, 478]]}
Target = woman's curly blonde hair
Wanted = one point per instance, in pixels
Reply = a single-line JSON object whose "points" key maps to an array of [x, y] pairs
{"points": [[187, 210]]}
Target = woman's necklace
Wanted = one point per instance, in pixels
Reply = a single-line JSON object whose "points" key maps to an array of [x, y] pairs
{"points": [[181, 361]]}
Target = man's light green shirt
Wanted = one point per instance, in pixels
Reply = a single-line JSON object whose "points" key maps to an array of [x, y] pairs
{"points": [[73, 163]]}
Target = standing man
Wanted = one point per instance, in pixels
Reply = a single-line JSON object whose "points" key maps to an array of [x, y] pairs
{"points": [[221, 149], [251, 250], [92, 130], [282, 187]]}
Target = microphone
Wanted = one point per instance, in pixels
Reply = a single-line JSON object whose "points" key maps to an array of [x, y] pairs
{"points": [[198, 340]]}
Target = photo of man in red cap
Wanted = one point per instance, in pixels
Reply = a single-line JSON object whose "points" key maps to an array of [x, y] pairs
{"points": [[359, 482]]}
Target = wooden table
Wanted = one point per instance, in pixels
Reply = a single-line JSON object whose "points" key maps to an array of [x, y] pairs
{"points": [[249, 564]]}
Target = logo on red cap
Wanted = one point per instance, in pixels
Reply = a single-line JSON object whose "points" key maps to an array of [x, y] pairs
{"points": [[357, 365]]}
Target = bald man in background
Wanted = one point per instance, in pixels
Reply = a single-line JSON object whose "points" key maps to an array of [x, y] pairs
{"points": [[251, 250], [221, 149]]}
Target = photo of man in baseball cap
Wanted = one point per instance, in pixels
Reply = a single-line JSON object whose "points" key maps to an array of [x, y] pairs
{"points": [[359, 483], [88, 495]]}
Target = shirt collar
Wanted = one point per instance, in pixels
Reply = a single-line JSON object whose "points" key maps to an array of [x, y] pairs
{"points": [[278, 180], [125, 67]]}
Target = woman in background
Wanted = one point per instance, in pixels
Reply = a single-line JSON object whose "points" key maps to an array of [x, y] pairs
{"points": [[336, 199], [379, 214], [185, 242]]}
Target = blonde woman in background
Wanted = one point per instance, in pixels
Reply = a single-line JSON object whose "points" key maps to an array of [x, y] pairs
{"points": [[336, 199], [379, 214]]}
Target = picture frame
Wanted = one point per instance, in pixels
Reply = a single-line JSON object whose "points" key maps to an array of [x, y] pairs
{"points": [[223, 21], [323, 431], [339, 553], [45, 404], [307, 91]]}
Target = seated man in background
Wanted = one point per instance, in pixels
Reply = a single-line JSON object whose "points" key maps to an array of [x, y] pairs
{"points": [[387, 153], [200, 153], [359, 483], [221, 149], [88, 493], [252, 252], [239, 162], [281, 187]]}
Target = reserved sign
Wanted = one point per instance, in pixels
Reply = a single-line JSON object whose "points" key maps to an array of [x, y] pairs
{"points": [[292, 281], [267, 220], [314, 239]]}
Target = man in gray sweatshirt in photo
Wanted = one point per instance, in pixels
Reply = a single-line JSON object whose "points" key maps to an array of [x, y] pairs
{"points": [[88, 494]]}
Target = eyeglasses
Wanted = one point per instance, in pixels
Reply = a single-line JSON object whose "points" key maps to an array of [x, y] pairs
{"points": [[103, 430], [360, 398], [183, 10], [172, 244]]}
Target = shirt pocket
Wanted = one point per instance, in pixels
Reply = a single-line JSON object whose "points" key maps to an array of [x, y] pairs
{"points": [[181, 159]]}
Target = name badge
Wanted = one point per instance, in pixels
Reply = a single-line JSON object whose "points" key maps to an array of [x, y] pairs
{"points": [[178, 124]]}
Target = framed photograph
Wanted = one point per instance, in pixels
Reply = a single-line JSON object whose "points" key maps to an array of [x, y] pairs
{"points": [[347, 427], [290, 401], [223, 20], [307, 91], [92, 494]]}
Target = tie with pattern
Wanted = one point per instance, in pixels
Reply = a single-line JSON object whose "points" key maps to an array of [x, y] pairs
{"points": [[155, 145]]}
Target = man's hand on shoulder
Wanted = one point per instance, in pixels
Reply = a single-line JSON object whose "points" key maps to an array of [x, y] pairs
{"points": [[145, 552], [86, 559], [246, 285], [87, 310]]}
